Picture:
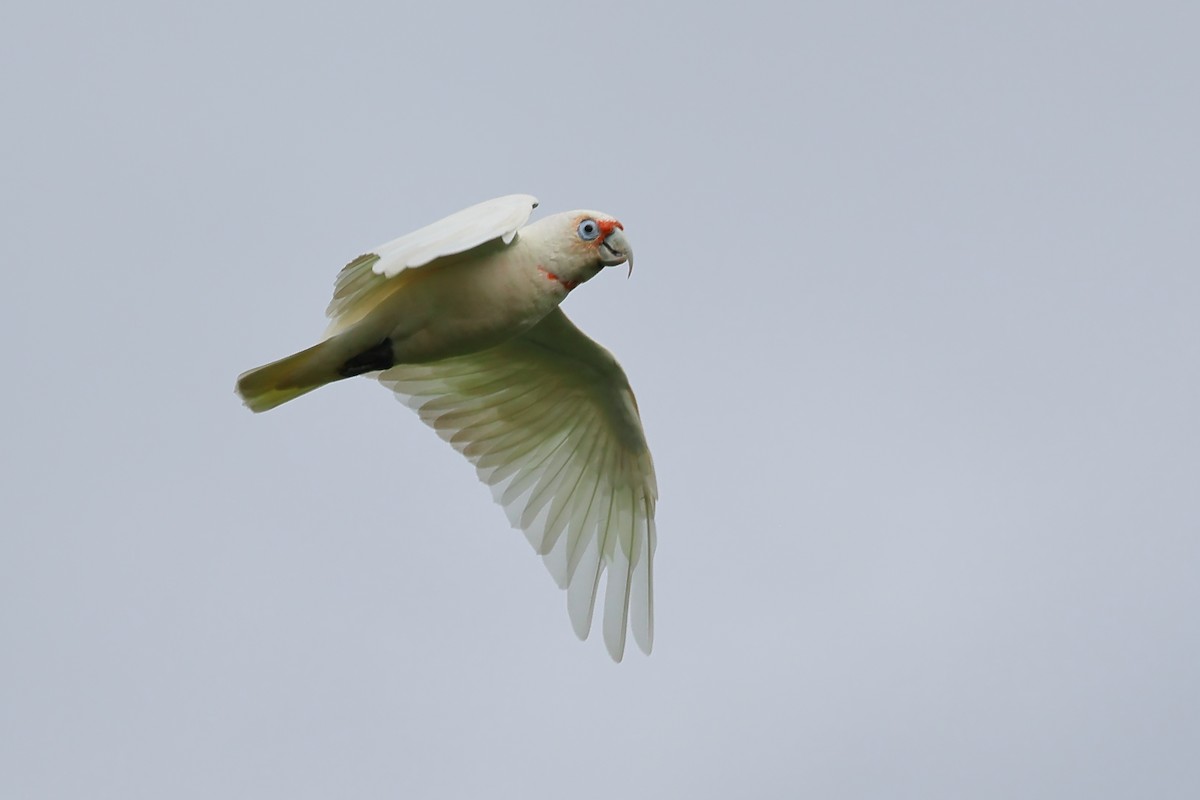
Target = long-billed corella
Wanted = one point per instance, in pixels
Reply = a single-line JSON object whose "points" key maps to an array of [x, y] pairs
{"points": [[461, 320]]}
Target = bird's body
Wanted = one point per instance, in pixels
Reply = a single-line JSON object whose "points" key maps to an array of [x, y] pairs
{"points": [[461, 319], [470, 303]]}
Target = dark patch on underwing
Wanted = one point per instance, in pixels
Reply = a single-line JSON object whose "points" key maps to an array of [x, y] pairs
{"points": [[372, 359]]}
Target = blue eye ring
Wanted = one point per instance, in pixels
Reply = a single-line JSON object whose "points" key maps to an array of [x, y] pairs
{"points": [[588, 230]]}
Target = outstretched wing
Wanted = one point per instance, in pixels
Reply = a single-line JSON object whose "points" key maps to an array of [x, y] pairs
{"points": [[364, 281], [551, 425]]}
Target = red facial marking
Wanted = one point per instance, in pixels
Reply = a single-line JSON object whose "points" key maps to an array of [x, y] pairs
{"points": [[568, 285], [606, 227]]}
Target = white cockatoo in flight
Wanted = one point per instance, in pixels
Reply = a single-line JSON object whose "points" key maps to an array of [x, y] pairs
{"points": [[461, 320]]}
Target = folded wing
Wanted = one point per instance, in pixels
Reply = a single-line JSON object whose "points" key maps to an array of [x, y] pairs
{"points": [[551, 425], [367, 279]]}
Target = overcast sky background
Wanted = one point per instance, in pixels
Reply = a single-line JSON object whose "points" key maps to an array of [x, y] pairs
{"points": [[915, 331]]}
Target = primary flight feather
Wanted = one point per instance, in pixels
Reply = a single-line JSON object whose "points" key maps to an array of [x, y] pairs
{"points": [[461, 320]]}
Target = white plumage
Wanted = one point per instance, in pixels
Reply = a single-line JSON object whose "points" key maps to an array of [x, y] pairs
{"points": [[461, 320], [500, 218]]}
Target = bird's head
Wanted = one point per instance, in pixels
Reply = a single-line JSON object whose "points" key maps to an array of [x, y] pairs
{"points": [[603, 238], [584, 242]]}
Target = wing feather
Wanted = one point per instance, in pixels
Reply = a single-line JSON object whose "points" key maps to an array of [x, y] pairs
{"points": [[499, 218], [551, 425], [553, 477], [367, 280], [642, 596], [616, 593], [563, 502]]}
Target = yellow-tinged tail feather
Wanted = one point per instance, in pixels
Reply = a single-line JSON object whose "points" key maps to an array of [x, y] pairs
{"points": [[265, 387]]}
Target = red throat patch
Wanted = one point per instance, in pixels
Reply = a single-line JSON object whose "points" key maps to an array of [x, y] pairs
{"points": [[568, 285]]}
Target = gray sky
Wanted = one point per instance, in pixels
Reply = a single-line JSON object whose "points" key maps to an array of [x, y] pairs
{"points": [[914, 331]]}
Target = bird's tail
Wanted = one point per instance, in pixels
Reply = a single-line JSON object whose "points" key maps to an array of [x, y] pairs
{"points": [[263, 388]]}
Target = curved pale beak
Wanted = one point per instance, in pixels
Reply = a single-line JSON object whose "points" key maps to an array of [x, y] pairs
{"points": [[615, 249]]}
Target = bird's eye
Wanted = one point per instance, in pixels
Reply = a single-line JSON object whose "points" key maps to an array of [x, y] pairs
{"points": [[588, 230]]}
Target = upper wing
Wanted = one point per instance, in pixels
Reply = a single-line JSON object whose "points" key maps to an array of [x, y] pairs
{"points": [[359, 282], [550, 423]]}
